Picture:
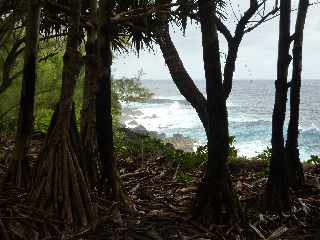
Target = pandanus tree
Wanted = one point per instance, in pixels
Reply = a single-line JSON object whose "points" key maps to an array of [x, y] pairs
{"points": [[216, 201], [96, 121], [277, 190], [120, 24], [295, 168], [59, 185]]}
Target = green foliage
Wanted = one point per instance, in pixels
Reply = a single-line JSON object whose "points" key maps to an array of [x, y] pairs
{"points": [[189, 160], [192, 160], [314, 160], [184, 178], [42, 120], [133, 146], [131, 89], [233, 152], [9, 107], [137, 146], [265, 155], [48, 90]]}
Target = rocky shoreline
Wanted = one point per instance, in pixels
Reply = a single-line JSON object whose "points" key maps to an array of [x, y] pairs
{"points": [[178, 141]]}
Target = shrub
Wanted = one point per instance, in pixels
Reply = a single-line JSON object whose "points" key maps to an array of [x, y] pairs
{"points": [[42, 120], [314, 160], [184, 178], [265, 155]]}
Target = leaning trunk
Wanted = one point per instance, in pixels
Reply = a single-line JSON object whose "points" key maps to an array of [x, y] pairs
{"points": [[216, 201], [295, 169], [180, 76], [18, 172], [277, 191], [59, 186]]}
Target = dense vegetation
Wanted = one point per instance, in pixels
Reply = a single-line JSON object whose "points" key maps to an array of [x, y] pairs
{"points": [[56, 80]]}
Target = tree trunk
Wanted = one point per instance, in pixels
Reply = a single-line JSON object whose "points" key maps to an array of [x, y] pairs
{"points": [[90, 158], [19, 172], [277, 191], [180, 75], [216, 201], [295, 169], [110, 178], [59, 186]]}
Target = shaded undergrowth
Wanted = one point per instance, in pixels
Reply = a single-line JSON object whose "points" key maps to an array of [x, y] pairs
{"points": [[162, 183]]}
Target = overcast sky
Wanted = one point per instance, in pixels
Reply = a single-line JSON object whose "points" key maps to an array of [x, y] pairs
{"points": [[257, 55]]}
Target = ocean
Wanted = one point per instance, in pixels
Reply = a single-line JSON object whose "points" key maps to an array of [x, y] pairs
{"points": [[249, 110]]}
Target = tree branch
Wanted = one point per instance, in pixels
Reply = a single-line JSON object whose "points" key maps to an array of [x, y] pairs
{"points": [[222, 28], [233, 45], [269, 16]]}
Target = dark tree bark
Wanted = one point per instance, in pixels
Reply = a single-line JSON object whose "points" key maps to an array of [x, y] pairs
{"points": [[110, 178], [59, 186], [216, 201], [277, 191], [19, 172], [180, 76], [295, 169], [90, 158]]}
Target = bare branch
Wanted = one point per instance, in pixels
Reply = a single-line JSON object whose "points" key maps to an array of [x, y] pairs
{"points": [[269, 16]]}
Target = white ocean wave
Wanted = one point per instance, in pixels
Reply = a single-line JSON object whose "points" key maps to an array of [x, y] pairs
{"points": [[174, 115], [173, 98], [252, 148], [313, 127], [246, 118]]}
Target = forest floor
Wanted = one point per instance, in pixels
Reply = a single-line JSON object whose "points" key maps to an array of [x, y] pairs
{"points": [[162, 206]]}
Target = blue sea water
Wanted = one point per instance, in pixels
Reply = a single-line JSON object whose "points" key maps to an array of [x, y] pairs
{"points": [[250, 111]]}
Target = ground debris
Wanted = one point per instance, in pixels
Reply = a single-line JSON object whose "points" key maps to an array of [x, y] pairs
{"points": [[162, 208]]}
